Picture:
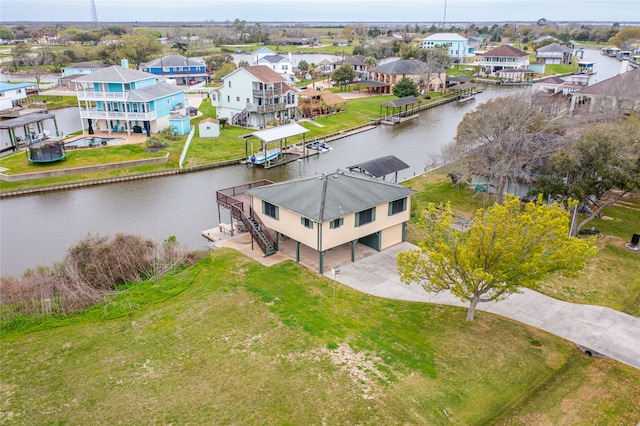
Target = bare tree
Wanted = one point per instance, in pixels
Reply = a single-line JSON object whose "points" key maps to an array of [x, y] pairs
{"points": [[433, 62], [504, 140], [38, 61]]}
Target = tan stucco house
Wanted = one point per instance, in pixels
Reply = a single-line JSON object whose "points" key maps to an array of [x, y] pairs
{"points": [[326, 211]]}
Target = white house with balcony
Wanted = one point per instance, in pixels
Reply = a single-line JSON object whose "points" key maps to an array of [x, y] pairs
{"points": [[120, 99], [501, 58], [257, 97], [458, 47], [283, 65]]}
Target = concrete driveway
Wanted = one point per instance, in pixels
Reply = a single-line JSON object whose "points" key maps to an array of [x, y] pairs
{"points": [[597, 330]]}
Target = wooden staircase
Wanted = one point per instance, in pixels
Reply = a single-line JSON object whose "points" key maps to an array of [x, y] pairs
{"points": [[230, 198]]}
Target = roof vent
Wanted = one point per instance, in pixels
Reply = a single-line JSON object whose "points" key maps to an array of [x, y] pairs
{"points": [[335, 176], [320, 177]]}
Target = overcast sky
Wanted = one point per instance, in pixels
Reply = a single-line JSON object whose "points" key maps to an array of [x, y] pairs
{"points": [[405, 11]]}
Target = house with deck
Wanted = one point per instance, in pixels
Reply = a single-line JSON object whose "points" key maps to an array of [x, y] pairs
{"points": [[257, 97], [619, 92], [458, 47], [182, 70], [121, 99], [501, 58], [323, 212]]}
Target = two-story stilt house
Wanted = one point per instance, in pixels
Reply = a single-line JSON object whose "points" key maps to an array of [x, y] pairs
{"points": [[120, 99], [257, 97], [504, 57]]}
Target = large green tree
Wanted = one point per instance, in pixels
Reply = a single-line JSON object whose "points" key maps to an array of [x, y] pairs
{"points": [[344, 75], [139, 48], [215, 62], [405, 87], [598, 169], [507, 247]]}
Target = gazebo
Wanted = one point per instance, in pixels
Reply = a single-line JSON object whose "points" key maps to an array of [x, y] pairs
{"points": [[314, 102], [30, 135], [377, 87]]}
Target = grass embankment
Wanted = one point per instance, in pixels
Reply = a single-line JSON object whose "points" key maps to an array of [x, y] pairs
{"points": [[610, 278], [230, 341], [229, 146]]}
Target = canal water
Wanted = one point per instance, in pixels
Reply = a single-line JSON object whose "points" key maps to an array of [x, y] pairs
{"points": [[38, 229]]}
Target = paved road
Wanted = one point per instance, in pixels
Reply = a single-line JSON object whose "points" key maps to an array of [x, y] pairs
{"points": [[600, 330]]}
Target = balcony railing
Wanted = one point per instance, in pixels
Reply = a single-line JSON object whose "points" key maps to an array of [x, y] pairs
{"points": [[88, 95], [117, 115], [276, 91], [261, 109]]}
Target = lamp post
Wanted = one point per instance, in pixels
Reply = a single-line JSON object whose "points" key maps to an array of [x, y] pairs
{"points": [[336, 271]]}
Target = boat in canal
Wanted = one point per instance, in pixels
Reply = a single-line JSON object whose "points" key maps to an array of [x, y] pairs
{"points": [[261, 157]]}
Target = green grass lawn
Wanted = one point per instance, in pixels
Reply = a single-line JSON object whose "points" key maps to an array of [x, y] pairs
{"points": [[230, 341], [229, 146], [603, 282]]}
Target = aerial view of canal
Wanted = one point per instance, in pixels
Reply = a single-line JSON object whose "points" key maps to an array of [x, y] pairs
{"points": [[38, 229]]}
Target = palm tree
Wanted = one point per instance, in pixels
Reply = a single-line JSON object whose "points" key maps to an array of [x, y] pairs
{"points": [[312, 71]]}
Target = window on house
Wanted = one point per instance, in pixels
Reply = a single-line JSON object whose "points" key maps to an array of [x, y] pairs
{"points": [[228, 98], [229, 83], [306, 222], [336, 223], [365, 216], [397, 206], [270, 210], [237, 98], [247, 100]]}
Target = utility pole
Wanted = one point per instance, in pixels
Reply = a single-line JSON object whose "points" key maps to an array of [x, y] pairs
{"points": [[94, 13], [444, 19]]}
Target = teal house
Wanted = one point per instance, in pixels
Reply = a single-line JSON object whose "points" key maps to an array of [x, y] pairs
{"points": [[123, 100]]}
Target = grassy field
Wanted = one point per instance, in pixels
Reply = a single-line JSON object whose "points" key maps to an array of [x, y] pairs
{"points": [[230, 341], [604, 282]]}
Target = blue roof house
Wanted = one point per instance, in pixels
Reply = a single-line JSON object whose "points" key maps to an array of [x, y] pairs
{"points": [[12, 94], [178, 68], [120, 99]]}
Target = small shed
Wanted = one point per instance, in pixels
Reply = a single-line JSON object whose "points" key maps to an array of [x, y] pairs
{"points": [[181, 122], [209, 128]]}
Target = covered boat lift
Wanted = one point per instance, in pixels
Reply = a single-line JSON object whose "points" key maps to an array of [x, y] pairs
{"points": [[268, 136], [380, 167], [402, 110]]}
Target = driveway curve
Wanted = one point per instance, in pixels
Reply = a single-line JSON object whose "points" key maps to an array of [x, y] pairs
{"points": [[597, 330]]}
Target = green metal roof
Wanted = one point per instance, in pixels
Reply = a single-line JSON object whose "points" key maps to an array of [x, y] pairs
{"points": [[322, 198]]}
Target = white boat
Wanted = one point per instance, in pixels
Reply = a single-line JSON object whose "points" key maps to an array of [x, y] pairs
{"points": [[261, 157]]}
